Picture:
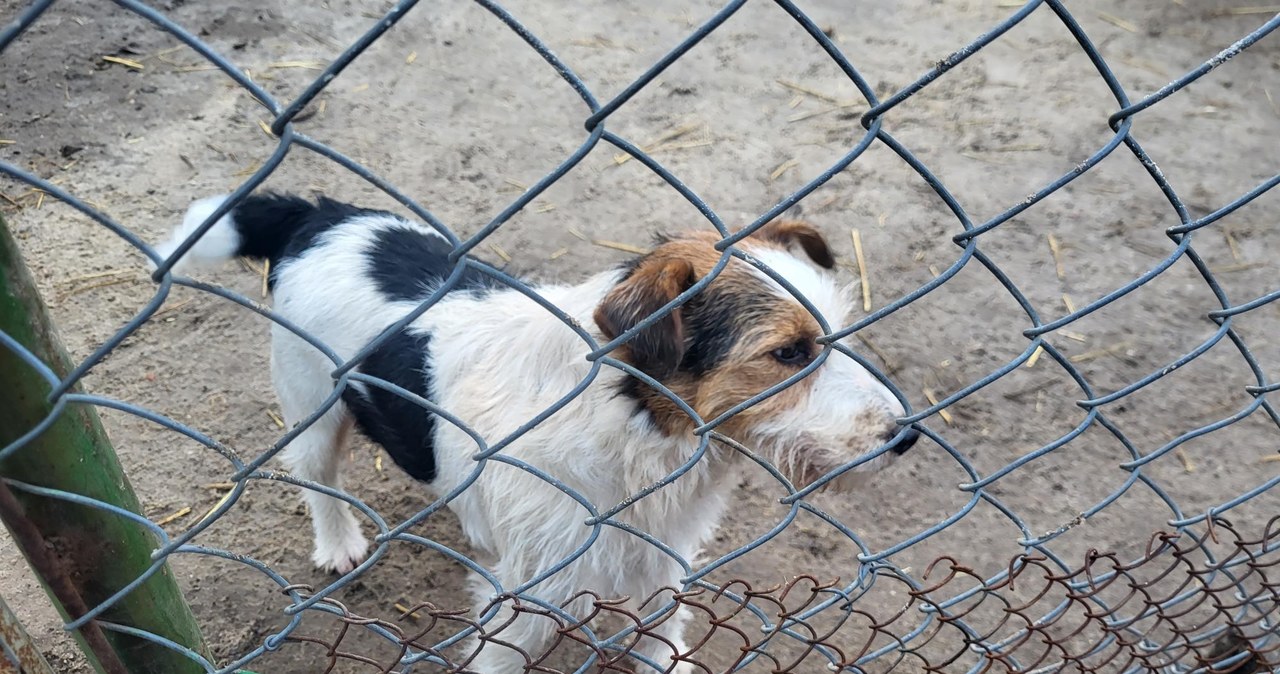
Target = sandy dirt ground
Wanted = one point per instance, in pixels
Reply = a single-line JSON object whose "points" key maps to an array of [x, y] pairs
{"points": [[452, 107]]}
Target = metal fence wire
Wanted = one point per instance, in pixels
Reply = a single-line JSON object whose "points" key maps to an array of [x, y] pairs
{"points": [[1202, 597]]}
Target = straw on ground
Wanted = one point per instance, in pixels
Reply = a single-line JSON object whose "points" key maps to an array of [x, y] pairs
{"points": [[862, 270], [933, 400]]}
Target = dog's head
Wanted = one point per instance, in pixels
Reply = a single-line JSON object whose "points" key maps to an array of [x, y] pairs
{"points": [[744, 333]]}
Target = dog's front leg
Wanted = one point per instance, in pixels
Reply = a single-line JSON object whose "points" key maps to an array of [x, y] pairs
{"points": [[664, 641], [515, 638]]}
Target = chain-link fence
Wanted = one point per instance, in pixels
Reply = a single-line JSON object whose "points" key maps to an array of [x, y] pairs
{"points": [[1201, 597]]}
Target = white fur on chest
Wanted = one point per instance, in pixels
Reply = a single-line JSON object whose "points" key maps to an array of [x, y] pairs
{"points": [[600, 444]]}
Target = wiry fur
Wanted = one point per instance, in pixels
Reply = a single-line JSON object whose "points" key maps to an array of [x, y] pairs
{"points": [[495, 359]]}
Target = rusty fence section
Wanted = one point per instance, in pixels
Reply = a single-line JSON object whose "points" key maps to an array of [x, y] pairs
{"points": [[1202, 598], [1206, 603]]}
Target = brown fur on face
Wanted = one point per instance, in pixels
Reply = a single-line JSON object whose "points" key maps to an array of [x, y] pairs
{"points": [[714, 351], [745, 371], [657, 349]]}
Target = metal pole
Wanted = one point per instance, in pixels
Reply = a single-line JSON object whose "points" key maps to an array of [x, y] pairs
{"points": [[18, 653], [82, 555]]}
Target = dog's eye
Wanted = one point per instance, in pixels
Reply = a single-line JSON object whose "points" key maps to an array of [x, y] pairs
{"points": [[792, 354]]}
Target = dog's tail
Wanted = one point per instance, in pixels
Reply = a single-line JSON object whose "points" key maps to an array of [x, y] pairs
{"points": [[260, 226]]}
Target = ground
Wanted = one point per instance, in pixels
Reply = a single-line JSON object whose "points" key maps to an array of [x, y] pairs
{"points": [[452, 107]]}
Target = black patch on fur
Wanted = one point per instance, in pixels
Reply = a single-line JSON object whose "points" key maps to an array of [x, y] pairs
{"points": [[629, 267], [403, 428], [277, 227], [635, 390], [710, 330], [714, 322], [407, 263]]}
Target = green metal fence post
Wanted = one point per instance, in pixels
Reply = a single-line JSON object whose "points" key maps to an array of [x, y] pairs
{"points": [[82, 555]]}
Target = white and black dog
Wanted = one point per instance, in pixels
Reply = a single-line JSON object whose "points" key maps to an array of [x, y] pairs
{"points": [[495, 359]]}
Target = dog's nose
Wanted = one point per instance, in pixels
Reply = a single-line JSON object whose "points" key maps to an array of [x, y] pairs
{"points": [[907, 441]]}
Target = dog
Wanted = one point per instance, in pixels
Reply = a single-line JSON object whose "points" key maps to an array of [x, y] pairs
{"points": [[494, 359]]}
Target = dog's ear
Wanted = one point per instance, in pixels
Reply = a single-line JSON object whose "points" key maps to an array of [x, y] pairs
{"points": [[655, 281], [795, 232]]}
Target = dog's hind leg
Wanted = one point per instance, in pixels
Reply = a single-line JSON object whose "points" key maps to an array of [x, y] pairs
{"points": [[316, 455], [302, 383]]}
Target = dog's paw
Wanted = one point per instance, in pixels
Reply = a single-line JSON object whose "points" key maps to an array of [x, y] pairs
{"points": [[678, 668], [341, 556], [684, 668], [671, 667]]}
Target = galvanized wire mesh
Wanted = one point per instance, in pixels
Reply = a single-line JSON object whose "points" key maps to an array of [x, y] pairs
{"points": [[1203, 596]]}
